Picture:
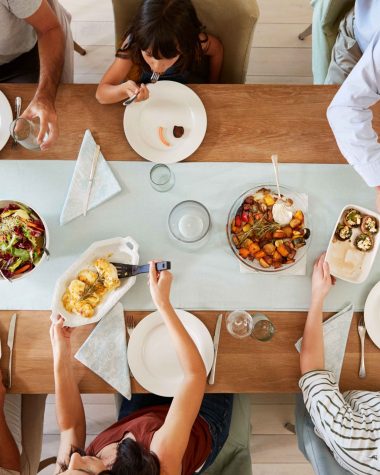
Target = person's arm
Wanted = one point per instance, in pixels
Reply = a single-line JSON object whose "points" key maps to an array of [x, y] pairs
{"points": [[213, 48], [51, 49], [113, 87], [170, 441], [312, 350], [350, 116], [69, 407], [9, 454]]}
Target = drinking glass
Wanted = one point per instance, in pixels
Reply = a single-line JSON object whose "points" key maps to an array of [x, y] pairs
{"points": [[189, 222], [25, 132], [240, 324], [161, 178], [263, 328]]}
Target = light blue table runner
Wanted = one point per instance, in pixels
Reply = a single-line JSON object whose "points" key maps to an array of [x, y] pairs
{"points": [[206, 279]]}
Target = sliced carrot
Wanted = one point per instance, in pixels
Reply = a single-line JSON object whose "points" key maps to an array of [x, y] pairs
{"points": [[162, 136], [22, 269], [34, 226]]}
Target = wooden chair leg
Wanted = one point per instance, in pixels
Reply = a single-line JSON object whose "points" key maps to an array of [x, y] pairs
{"points": [[305, 33], [45, 463], [79, 49]]}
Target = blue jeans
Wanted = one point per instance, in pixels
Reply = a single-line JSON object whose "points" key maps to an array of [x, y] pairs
{"points": [[216, 410]]}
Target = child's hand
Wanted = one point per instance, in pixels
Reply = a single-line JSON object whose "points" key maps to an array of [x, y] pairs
{"points": [[131, 88], [160, 283], [60, 339], [322, 280]]}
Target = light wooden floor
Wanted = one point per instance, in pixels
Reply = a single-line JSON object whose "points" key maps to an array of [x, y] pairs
{"points": [[277, 56]]}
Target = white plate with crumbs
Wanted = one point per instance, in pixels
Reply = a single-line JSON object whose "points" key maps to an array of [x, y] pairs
{"points": [[149, 125], [372, 314], [152, 357], [346, 261], [6, 118], [123, 250]]}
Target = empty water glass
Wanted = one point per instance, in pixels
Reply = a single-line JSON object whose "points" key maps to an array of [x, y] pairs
{"points": [[161, 178], [25, 132]]}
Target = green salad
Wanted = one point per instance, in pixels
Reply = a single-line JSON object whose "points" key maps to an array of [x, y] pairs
{"points": [[22, 239]]}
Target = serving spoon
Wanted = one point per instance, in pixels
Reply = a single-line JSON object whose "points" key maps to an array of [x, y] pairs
{"points": [[282, 213]]}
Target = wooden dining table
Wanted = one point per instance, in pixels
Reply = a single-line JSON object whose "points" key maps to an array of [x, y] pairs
{"points": [[245, 124]]}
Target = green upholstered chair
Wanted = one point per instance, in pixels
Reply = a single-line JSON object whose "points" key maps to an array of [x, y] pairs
{"points": [[327, 15], [232, 21]]}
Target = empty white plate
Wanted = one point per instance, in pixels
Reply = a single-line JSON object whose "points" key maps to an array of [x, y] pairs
{"points": [[152, 357], [5, 119], [372, 314], [170, 104]]}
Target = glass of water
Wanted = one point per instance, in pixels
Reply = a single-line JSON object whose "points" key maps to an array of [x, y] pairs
{"points": [[161, 178], [25, 132], [240, 324]]}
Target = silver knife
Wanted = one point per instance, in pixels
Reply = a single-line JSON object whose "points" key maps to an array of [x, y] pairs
{"points": [[11, 337], [211, 378]]}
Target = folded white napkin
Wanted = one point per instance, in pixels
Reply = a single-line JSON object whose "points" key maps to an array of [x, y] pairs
{"points": [[104, 186], [335, 335], [105, 351], [299, 268]]}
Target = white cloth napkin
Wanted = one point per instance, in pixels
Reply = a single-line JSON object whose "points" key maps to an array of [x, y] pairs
{"points": [[335, 335], [104, 186], [298, 268], [105, 351]]}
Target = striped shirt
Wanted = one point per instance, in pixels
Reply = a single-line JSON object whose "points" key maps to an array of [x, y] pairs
{"points": [[348, 423]]}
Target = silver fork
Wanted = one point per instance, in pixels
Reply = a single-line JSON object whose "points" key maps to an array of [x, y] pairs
{"points": [[362, 331], [130, 324], [153, 79]]}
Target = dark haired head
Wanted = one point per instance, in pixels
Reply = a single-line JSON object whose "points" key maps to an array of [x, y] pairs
{"points": [[166, 28], [131, 459]]}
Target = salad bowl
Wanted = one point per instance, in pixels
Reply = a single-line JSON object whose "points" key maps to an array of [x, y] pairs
{"points": [[24, 240]]}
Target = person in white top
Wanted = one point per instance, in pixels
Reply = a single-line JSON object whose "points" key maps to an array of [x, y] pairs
{"points": [[32, 47], [349, 113], [348, 423]]}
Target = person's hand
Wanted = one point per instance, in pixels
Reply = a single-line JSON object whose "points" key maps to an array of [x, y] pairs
{"points": [[378, 198], [60, 339], [131, 88], [44, 109], [322, 280], [160, 283]]}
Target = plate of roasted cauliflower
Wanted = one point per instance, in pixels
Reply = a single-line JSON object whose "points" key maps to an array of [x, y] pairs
{"points": [[90, 287]]}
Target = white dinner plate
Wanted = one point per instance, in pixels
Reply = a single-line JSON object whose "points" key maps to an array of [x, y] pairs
{"points": [[372, 314], [152, 357], [6, 118], [170, 103]]}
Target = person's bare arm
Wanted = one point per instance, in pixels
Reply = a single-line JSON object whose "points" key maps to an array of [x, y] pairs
{"points": [[213, 48], [9, 454], [170, 441], [312, 351], [113, 87], [51, 48], [69, 407]]}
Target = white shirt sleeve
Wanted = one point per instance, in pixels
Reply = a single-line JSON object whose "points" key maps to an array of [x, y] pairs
{"points": [[22, 8], [351, 119]]}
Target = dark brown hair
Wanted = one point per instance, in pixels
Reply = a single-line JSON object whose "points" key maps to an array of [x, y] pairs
{"points": [[131, 459], [167, 28]]}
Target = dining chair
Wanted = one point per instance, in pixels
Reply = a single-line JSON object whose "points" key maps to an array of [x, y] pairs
{"points": [[232, 21], [327, 15], [313, 447]]}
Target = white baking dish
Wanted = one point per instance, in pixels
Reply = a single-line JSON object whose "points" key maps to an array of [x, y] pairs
{"points": [[346, 262], [123, 250]]}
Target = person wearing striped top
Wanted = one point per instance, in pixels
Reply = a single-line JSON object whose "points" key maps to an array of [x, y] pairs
{"points": [[348, 423]]}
